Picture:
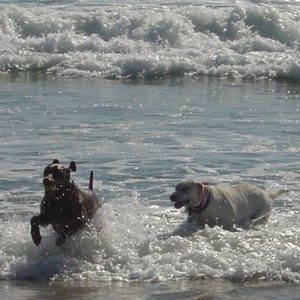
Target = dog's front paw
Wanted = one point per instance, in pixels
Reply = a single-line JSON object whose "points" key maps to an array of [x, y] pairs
{"points": [[35, 231], [60, 240], [36, 238]]}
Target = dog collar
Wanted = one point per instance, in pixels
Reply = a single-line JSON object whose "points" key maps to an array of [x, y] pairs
{"points": [[205, 197]]}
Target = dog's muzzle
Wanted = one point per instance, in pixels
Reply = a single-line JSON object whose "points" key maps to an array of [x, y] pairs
{"points": [[178, 204], [48, 183]]}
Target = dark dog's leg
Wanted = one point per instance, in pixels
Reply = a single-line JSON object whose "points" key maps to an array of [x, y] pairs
{"points": [[35, 230]]}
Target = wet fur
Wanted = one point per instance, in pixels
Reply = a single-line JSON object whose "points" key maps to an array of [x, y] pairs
{"points": [[240, 205], [64, 206]]}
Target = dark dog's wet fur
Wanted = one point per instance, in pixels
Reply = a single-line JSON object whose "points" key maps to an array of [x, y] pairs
{"points": [[64, 206]]}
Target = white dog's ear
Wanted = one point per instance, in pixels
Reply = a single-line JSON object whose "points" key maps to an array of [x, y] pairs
{"points": [[199, 186]]}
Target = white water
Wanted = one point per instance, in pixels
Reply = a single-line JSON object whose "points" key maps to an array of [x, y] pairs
{"points": [[146, 39], [134, 252]]}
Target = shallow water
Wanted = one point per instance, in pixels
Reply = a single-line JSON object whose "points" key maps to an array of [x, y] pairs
{"points": [[146, 94], [141, 139], [216, 289]]}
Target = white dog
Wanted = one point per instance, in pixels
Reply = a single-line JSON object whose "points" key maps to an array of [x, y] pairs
{"points": [[240, 205]]}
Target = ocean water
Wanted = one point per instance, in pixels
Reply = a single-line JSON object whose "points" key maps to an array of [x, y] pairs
{"points": [[146, 94], [151, 39]]}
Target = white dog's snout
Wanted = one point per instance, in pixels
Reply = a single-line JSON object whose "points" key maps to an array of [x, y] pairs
{"points": [[173, 197]]}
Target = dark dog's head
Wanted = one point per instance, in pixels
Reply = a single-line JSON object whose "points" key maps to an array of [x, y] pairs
{"points": [[57, 176], [187, 193]]}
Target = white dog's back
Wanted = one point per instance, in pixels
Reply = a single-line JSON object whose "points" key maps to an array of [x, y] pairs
{"points": [[240, 205]]}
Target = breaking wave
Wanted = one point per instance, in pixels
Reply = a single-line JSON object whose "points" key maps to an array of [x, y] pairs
{"points": [[248, 41]]}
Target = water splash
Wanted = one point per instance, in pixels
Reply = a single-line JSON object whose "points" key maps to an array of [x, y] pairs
{"points": [[125, 243]]}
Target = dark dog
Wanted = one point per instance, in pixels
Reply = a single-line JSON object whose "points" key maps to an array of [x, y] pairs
{"points": [[64, 205]]}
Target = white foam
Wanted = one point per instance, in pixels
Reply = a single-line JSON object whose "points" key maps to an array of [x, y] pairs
{"points": [[245, 41], [125, 243]]}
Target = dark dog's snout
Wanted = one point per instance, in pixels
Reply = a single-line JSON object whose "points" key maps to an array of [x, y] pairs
{"points": [[47, 179]]}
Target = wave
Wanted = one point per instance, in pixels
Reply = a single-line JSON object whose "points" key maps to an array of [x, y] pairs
{"points": [[111, 251], [248, 41]]}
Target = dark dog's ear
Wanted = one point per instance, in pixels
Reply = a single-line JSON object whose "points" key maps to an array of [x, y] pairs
{"points": [[72, 166], [55, 161]]}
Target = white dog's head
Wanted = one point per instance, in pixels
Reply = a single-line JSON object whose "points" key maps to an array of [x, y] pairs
{"points": [[187, 193]]}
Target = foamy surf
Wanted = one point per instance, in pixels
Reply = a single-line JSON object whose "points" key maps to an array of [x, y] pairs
{"points": [[152, 41], [124, 244]]}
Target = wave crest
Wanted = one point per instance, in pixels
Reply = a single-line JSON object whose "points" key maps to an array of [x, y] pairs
{"points": [[254, 41]]}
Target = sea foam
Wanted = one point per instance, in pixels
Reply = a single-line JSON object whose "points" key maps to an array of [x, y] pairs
{"points": [[244, 41], [127, 242]]}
